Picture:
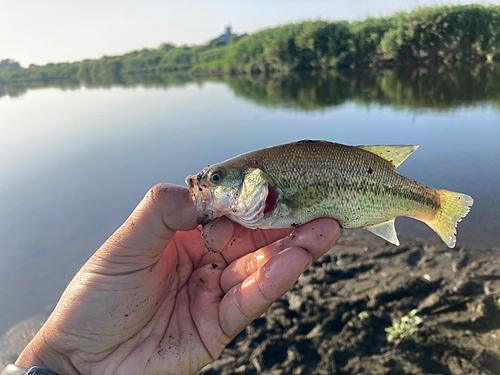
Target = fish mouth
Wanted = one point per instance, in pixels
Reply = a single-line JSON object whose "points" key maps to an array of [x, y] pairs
{"points": [[202, 199]]}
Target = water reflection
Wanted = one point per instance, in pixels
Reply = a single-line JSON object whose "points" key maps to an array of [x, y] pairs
{"points": [[409, 89], [401, 88], [130, 81]]}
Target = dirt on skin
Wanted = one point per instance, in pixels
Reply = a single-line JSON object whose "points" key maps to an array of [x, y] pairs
{"points": [[333, 320]]}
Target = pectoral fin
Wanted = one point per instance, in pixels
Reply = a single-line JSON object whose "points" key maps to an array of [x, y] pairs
{"points": [[385, 230], [395, 155]]}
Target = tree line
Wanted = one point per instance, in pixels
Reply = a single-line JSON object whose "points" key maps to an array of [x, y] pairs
{"points": [[443, 35]]}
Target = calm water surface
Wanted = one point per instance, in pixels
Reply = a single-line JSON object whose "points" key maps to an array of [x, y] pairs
{"points": [[75, 163]]}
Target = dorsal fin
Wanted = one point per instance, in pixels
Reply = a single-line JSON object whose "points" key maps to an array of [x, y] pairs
{"points": [[385, 230], [395, 155]]}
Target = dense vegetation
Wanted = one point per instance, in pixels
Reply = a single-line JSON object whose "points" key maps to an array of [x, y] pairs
{"points": [[444, 35], [426, 36]]}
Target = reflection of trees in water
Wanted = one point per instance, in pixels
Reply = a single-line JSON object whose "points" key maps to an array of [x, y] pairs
{"points": [[304, 92], [399, 88], [15, 90], [412, 89], [438, 89], [131, 80]]}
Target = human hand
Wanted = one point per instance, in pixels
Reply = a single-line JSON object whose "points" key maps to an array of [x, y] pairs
{"points": [[153, 300]]}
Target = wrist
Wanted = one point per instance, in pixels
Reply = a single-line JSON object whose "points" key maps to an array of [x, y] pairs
{"points": [[40, 353]]}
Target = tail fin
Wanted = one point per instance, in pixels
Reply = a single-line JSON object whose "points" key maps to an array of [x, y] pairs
{"points": [[454, 207]]}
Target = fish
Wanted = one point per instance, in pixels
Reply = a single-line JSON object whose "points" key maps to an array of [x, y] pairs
{"points": [[291, 184]]}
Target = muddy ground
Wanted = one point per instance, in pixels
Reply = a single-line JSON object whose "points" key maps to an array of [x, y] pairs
{"points": [[333, 321]]}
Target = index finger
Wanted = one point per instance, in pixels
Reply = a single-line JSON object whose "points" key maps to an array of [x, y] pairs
{"points": [[234, 241]]}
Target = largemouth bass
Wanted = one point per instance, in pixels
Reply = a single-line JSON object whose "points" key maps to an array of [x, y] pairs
{"points": [[359, 186]]}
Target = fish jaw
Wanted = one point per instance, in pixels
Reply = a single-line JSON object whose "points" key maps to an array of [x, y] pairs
{"points": [[202, 199]]}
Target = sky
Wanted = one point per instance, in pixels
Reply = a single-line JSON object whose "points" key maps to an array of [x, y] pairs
{"points": [[39, 32]]}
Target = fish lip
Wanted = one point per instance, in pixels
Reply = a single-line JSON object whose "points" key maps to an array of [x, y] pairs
{"points": [[201, 197]]}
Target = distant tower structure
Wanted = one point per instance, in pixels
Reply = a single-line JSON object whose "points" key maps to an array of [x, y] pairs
{"points": [[226, 37]]}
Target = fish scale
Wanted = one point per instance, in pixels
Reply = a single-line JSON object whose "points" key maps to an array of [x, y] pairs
{"points": [[348, 182]]}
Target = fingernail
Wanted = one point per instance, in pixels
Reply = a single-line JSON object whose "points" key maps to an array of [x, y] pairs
{"points": [[217, 233]]}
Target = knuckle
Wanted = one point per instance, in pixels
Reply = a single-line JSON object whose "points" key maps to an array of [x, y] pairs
{"points": [[266, 292], [239, 305]]}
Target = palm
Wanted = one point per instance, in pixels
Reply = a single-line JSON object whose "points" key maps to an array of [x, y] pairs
{"points": [[185, 311], [160, 329]]}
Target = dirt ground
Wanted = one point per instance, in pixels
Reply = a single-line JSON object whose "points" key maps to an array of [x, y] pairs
{"points": [[334, 319]]}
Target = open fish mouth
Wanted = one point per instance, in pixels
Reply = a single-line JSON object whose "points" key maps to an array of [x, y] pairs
{"points": [[202, 199]]}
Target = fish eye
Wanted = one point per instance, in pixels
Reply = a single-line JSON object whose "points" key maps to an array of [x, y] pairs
{"points": [[216, 177]]}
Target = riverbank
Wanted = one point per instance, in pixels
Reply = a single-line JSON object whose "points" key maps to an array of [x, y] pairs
{"points": [[334, 320]]}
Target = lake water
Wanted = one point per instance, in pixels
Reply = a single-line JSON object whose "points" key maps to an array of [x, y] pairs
{"points": [[76, 160]]}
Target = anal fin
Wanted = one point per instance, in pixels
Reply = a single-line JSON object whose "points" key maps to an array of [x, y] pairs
{"points": [[385, 230]]}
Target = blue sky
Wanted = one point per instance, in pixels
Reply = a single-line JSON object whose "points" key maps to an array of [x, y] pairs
{"points": [[34, 31]]}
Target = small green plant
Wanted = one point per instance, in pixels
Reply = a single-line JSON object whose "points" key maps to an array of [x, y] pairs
{"points": [[406, 328], [363, 315]]}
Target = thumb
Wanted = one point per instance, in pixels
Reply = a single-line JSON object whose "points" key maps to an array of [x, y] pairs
{"points": [[141, 240]]}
